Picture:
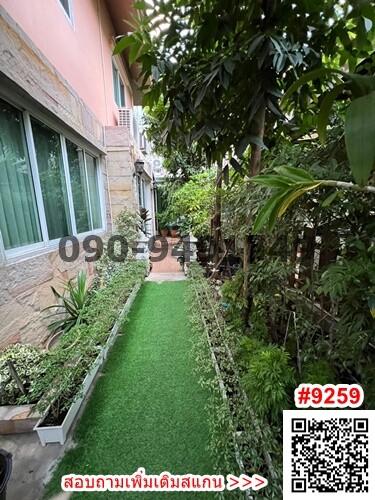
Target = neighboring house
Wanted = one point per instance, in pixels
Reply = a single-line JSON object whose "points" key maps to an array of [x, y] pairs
{"points": [[72, 154]]}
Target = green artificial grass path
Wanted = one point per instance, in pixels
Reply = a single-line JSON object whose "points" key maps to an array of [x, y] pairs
{"points": [[148, 409]]}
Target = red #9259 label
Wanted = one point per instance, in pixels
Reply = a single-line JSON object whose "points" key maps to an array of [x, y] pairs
{"points": [[328, 396]]}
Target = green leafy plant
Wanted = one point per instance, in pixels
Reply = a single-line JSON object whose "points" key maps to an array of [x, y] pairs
{"points": [[65, 367], [193, 204], [359, 123], [289, 184], [235, 410], [248, 347], [27, 361], [350, 283], [105, 267], [318, 371], [233, 301], [128, 223], [269, 381], [72, 302], [163, 219]]}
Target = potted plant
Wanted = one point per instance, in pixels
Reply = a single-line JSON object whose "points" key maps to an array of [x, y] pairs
{"points": [[62, 403], [162, 218], [174, 229]]}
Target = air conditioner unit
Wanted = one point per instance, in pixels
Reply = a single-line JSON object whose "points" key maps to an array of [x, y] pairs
{"points": [[125, 118]]}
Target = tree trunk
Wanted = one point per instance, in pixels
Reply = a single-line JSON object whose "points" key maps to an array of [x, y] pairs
{"points": [[293, 258], [254, 169], [216, 220], [256, 151], [308, 252]]}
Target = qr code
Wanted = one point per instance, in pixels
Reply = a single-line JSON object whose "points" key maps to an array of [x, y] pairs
{"points": [[329, 454]]}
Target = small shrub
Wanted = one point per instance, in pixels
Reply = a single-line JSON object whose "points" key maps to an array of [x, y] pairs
{"points": [[105, 268], [318, 372], [27, 361], [268, 381], [248, 347], [163, 219], [258, 325], [233, 301], [128, 224], [193, 204]]}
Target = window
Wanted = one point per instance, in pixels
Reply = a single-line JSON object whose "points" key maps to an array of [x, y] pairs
{"points": [[49, 186], [19, 220], [92, 181], [79, 187], [52, 180], [85, 188], [141, 191], [118, 87], [66, 5]]}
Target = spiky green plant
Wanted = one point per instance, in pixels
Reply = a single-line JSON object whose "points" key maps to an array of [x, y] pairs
{"points": [[71, 304]]}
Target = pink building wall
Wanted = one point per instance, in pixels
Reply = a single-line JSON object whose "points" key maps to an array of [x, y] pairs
{"points": [[80, 51]]}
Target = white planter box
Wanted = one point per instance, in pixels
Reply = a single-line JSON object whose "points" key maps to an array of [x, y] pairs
{"points": [[58, 433]]}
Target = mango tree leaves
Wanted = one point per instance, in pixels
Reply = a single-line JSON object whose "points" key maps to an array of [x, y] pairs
{"points": [[360, 137], [325, 109], [315, 74]]}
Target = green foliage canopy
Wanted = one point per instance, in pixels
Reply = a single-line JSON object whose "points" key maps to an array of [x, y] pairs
{"points": [[192, 204], [219, 64]]}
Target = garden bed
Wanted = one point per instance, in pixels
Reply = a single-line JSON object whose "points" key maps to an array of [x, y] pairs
{"points": [[50, 433], [18, 402], [61, 378], [250, 439], [46, 427]]}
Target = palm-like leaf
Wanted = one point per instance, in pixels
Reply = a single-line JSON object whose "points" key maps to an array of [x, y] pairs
{"points": [[288, 185]]}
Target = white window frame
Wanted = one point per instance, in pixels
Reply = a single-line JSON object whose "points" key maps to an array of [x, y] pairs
{"points": [[73, 223], [102, 198], [69, 16], [47, 245]]}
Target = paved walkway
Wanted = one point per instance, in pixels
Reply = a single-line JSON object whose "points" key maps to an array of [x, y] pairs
{"points": [[169, 263], [159, 277], [31, 463]]}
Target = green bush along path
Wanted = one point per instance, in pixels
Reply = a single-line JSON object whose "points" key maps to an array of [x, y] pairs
{"points": [[147, 409]]}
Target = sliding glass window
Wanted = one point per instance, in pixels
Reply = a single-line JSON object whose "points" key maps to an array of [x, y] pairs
{"points": [[52, 180], [78, 181], [118, 87], [85, 188], [46, 193], [19, 220], [92, 179]]}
